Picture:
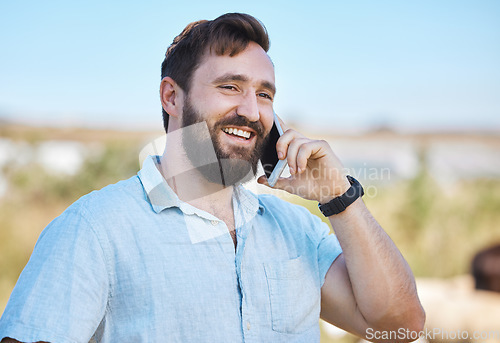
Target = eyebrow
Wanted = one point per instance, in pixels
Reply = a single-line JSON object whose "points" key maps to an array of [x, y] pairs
{"points": [[242, 78]]}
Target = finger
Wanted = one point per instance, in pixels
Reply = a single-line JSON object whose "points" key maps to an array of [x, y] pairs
{"points": [[284, 141], [303, 154], [306, 151], [293, 149]]}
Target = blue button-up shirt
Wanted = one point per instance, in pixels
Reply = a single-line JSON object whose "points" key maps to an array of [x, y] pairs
{"points": [[134, 263]]}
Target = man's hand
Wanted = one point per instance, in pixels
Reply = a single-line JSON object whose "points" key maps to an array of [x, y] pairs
{"points": [[316, 172]]}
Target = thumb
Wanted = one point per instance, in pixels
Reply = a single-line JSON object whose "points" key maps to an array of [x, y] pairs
{"points": [[263, 180], [283, 183]]}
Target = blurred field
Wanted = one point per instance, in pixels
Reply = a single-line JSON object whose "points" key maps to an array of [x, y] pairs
{"points": [[437, 227]]}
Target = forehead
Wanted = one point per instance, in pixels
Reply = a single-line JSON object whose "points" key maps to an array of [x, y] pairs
{"points": [[253, 62]]}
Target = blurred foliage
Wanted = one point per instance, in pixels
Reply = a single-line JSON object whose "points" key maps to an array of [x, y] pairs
{"points": [[36, 196], [117, 161]]}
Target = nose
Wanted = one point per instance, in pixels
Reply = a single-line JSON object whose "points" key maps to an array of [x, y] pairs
{"points": [[249, 107]]}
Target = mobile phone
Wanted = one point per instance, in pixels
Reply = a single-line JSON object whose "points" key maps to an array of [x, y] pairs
{"points": [[272, 165]]}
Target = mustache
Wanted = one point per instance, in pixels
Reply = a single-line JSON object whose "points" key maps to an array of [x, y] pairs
{"points": [[242, 121]]}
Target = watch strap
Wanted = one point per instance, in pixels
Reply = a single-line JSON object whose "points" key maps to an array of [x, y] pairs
{"points": [[340, 203]]}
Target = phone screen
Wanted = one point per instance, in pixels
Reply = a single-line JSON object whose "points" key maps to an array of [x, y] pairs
{"points": [[273, 167]]}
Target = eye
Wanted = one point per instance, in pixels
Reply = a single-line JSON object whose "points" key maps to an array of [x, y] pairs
{"points": [[228, 87], [265, 95]]}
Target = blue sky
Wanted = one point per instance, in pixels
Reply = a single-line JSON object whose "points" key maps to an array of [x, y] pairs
{"points": [[340, 65]]}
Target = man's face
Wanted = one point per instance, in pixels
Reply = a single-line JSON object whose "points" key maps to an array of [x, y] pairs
{"points": [[234, 96]]}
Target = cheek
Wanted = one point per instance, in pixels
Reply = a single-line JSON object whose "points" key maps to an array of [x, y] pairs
{"points": [[219, 106], [268, 121]]}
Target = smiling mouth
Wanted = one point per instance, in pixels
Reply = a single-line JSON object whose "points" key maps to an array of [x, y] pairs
{"points": [[237, 132]]}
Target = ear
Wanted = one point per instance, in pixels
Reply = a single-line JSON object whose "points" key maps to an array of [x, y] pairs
{"points": [[171, 96]]}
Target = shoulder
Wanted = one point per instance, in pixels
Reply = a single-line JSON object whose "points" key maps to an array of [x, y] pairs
{"points": [[101, 210], [112, 198], [91, 219]]}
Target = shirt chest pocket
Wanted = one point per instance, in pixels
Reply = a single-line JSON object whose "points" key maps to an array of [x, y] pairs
{"points": [[294, 294]]}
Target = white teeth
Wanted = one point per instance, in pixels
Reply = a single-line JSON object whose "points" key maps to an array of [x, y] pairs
{"points": [[237, 132]]}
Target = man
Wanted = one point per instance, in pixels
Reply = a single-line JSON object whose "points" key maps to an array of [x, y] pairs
{"points": [[183, 253]]}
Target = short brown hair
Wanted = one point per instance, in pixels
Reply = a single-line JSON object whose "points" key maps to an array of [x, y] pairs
{"points": [[228, 34]]}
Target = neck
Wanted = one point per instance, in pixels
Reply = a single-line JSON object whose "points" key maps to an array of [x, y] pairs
{"points": [[188, 183]]}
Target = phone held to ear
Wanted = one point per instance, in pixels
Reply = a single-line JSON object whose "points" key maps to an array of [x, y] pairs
{"points": [[273, 166]]}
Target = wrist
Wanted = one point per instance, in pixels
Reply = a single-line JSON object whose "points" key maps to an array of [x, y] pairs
{"points": [[340, 203], [340, 187]]}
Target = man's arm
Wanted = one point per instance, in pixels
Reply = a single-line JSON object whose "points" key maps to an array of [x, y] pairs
{"points": [[369, 285], [65, 282]]}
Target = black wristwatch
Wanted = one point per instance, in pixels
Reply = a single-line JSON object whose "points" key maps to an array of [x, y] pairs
{"points": [[340, 203]]}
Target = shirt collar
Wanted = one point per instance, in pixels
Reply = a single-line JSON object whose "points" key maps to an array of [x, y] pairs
{"points": [[161, 196]]}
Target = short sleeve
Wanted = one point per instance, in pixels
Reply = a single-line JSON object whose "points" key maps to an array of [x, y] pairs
{"points": [[62, 293], [327, 244]]}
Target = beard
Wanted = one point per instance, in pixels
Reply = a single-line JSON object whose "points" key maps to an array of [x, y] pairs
{"points": [[233, 165]]}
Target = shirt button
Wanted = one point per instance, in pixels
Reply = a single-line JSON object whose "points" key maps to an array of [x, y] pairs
{"points": [[248, 325], [214, 222]]}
